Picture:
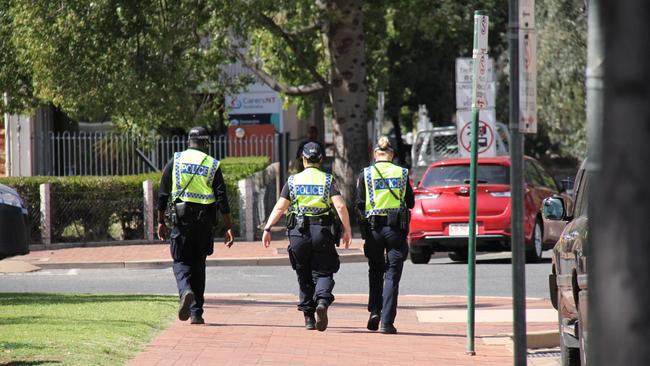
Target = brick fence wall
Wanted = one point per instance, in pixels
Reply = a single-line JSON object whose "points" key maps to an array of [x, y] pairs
{"points": [[2, 151]]}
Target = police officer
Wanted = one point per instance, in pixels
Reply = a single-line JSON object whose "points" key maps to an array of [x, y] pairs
{"points": [[384, 196], [308, 196], [193, 186]]}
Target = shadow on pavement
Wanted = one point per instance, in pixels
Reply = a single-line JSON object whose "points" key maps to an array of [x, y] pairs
{"points": [[30, 363]]}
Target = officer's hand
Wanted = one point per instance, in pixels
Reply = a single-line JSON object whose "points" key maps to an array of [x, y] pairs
{"points": [[347, 239], [266, 239], [229, 238], [162, 231]]}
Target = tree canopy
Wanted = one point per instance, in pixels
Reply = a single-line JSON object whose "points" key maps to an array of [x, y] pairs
{"points": [[156, 64]]}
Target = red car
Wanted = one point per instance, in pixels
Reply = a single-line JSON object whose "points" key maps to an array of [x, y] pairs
{"points": [[439, 220]]}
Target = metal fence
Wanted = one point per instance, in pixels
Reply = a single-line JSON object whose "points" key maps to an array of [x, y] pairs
{"points": [[99, 153]]}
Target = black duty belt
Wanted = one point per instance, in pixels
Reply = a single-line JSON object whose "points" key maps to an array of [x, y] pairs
{"points": [[377, 220], [324, 220]]}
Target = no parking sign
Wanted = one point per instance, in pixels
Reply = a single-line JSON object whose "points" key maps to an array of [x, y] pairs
{"points": [[486, 133]]}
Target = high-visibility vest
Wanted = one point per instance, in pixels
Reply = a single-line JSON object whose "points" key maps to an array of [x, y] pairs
{"points": [[203, 167], [379, 200], [310, 192]]}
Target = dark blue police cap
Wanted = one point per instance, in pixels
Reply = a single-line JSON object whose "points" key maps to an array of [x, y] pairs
{"points": [[198, 133], [312, 152]]}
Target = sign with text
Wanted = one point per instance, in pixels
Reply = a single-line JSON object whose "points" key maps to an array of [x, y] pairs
{"points": [[482, 23], [486, 133], [464, 69], [527, 81], [527, 14], [254, 103], [464, 95], [479, 95]]}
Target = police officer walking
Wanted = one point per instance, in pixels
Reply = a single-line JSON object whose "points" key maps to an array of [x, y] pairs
{"points": [[384, 196], [309, 196], [192, 186]]}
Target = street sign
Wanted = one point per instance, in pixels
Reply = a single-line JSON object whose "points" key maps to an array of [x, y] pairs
{"points": [[527, 81], [481, 24], [527, 14], [464, 70], [486, 133], [464, 95], [479, 98]]}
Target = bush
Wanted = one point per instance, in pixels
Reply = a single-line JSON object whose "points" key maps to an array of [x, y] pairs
{"points": [[89, 208]]}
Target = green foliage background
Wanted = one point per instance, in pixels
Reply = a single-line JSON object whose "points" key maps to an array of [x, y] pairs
{"points": [[146, 64]]}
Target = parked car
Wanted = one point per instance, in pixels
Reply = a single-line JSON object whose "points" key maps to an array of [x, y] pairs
{"points": [[439, 220], [14, 221], [568, 278]]}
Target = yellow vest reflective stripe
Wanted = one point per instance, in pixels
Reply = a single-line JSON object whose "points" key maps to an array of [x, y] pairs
{"points": [[379, 200], [310, 192], [203, 167]]}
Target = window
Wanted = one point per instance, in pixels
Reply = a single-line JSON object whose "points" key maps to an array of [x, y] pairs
{"points": [[549, 181], [532, 175], [582, 197], [459, 174]]}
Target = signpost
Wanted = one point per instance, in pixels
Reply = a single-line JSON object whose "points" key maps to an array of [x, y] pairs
{"points": [[479, 101], [522, 119]]}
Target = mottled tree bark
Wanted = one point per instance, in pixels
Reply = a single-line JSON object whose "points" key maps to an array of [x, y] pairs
{"points": [[348, 92]]}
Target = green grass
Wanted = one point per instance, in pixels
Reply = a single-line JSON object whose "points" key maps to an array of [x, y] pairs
{"points": [[76, 329]]}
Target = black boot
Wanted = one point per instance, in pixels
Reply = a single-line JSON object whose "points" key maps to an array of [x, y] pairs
{"points": [[373, 321], [187, 298], [321, 315], [310, 321], [197, 319], [388, 329]]}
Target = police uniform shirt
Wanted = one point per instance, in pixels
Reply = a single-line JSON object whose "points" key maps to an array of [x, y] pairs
{"points": [[218, 186], [409, 198]]}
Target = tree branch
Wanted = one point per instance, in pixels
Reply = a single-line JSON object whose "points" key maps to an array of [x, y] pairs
{"points": [[269, 80], [274, 28], [306, 29]]}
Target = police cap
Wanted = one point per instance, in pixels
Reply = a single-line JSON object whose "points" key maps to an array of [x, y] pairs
{"points": [[312, 152], [198, 133]]}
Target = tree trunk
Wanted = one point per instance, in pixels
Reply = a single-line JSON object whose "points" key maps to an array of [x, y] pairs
{"points": [[348, 93]]}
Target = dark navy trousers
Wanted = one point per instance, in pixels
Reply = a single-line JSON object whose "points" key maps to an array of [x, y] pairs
{"points": [[386, 250], [314, 258], [190, 244]]}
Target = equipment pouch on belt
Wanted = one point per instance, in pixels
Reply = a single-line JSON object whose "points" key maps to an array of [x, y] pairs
{"points": [[404, 218], [301, 225]]}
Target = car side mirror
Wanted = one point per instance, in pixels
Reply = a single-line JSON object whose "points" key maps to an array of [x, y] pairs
{"points": [[553, 208], [567, 185]]}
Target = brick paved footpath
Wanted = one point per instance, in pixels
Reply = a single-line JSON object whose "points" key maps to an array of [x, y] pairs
{"points": [[268, 330]]}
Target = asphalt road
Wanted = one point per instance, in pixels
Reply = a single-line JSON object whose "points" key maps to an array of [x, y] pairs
{"points": [[440, 277]]}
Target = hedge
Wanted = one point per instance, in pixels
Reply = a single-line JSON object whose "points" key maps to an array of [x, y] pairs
{"points": [[92, 208]]}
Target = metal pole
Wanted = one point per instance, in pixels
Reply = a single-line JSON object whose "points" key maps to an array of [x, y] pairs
{"points": [[517, 194], [8, 156]]}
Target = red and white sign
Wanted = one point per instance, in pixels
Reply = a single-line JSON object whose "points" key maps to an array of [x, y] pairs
{"points": [[486, 133], [527, 81], [482, 23], [480, 97]]}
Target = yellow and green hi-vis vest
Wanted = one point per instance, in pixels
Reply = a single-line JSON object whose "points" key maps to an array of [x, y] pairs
{"points": [[379, 200], [309, 191], [188, 163]]}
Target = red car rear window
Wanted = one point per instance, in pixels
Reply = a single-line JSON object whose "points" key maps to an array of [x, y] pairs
{"points": [[450, 175]]}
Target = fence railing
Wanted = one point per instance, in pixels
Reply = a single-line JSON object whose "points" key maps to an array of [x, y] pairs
{"points": [[100, 153]]}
